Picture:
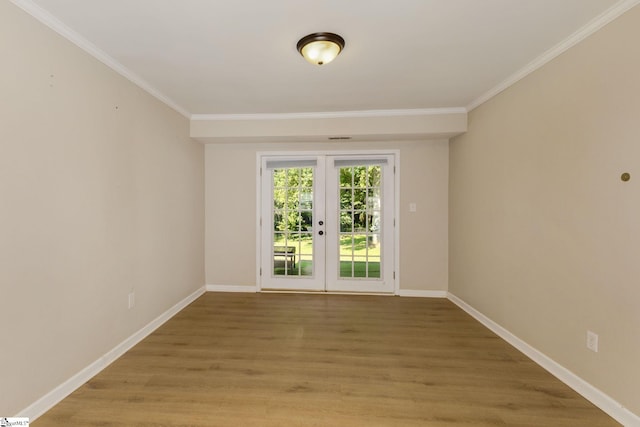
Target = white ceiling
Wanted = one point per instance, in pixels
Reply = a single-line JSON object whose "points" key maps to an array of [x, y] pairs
{"points": [[239, 56]]}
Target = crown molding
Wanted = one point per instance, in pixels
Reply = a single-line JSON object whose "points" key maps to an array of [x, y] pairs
{"points": [[597, 23], [56, 25], [331, 114], [50, 21]]}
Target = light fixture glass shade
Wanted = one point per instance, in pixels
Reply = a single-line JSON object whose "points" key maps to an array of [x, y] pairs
{"points": [[320, 48]]}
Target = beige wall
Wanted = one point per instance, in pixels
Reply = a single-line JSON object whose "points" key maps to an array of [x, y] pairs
{"points": [[543, 233], [101, 194], [231, 209]]}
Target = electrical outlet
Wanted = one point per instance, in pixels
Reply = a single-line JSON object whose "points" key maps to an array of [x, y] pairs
{"points": [[592, 341], [132, 300]]}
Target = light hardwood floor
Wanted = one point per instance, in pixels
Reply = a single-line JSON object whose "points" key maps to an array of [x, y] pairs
{"points": [[323, 360]]}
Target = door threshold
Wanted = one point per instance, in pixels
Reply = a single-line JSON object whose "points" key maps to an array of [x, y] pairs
{"points": [[288, 291]]}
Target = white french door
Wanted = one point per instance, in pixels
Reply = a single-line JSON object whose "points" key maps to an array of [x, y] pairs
{"points": [[327, 223]]}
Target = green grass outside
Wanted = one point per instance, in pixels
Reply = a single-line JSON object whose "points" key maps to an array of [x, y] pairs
{"points": [[303, 268], [349, 267], [304, 247]]}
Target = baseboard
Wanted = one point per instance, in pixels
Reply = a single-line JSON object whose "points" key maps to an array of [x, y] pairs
{"points": [[284, 291], [231, 288], [589, 392], [421, 294], [401, 292], [52, 398], [594, 395]]}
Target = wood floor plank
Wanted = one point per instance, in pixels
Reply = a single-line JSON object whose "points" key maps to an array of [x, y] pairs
{"points": [[323, 360]]}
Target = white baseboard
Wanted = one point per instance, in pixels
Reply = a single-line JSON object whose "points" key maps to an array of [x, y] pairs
{"points": [[252, 289], [284, 291], [421, 294], [594, 395], [52, 398], [231, 288], [401, 292], [589, 392]]}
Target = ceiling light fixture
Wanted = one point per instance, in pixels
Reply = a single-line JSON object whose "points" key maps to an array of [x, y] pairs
{"points": [[320, 48]]}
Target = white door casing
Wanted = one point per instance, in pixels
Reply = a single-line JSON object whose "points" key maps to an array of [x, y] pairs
{"points": [[327, 222]]}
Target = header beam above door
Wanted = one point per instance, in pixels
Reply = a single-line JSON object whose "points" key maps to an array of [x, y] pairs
{"points": [[431, 125]]}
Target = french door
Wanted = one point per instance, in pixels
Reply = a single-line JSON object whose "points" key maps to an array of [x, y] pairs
{"points": [[327, 223]]}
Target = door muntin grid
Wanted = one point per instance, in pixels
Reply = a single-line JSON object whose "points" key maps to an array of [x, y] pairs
{"points": [[305, 246], [292, 234], [360, 219]]}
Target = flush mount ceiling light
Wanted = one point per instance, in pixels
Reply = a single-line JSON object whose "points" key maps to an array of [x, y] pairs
{"points": [[320, 48]]}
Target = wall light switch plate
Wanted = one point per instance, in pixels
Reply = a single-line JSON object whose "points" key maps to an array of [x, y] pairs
{"points": [[592, 341], [132, 300], [412, 207]]}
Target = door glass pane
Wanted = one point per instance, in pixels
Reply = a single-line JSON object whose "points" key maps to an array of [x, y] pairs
{"points": [[346, 198], [346, 221], [360, 221], [373, 267], [292, 251]]}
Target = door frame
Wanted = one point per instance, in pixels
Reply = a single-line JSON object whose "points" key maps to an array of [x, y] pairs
{"points": [[396, 209]]}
